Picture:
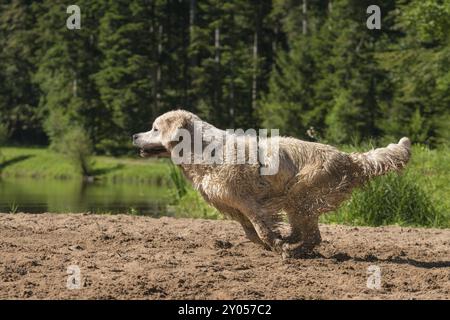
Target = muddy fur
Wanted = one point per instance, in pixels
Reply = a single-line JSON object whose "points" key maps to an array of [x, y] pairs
{"points": [[312, 179]]}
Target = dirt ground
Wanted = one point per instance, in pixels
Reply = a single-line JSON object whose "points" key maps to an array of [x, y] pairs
{"points": [[130, 257]]}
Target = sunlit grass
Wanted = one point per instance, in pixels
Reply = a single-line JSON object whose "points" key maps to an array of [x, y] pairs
{"points": [[419, 196], [14, 207], [391, 199], [43, 163]]}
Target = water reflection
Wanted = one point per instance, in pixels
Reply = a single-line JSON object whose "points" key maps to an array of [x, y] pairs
{"points": [[37, 196]]}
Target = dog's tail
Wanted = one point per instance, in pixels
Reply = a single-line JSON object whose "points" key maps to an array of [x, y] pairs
{"points": [[380, 161]]}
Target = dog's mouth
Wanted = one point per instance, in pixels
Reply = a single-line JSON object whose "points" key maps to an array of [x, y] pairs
{"points": [[153, 151]]}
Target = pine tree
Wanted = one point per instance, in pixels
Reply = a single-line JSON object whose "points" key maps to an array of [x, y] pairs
{"points": [[18, 95], [126, 79], [290, 103], [225, 42], [419, 61], [66, 62]]}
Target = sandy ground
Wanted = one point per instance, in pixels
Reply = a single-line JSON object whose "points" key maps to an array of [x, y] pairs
{"points": [[129, 257]]}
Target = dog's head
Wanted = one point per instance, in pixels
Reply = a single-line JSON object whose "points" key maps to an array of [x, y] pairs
{"points": [[158, 142]]}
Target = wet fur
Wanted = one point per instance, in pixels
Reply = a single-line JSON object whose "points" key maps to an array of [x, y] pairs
{"points": [[312, 179]]}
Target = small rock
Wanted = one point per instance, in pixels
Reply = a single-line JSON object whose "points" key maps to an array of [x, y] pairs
{"points": [[76, 247], [222, 244]]}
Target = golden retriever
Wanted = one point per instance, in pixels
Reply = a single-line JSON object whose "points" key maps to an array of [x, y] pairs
{"points": [[310, 178]]}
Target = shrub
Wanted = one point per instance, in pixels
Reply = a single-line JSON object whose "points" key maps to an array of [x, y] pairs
{"points": [[115, 147], [178, 181], [192, 205], [77, 146], [71, 140], [56, 125], [391, 199], [188, 203]]}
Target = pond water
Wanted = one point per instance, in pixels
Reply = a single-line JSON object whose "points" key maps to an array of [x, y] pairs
{"points": [[38, 196]]}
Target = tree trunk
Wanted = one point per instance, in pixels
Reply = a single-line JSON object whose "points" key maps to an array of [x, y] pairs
{"points": [[75, 87], [255, 70], [304, 11], [193, 62], [217, 60], [192, 15], [217, 44], [158, 68]]}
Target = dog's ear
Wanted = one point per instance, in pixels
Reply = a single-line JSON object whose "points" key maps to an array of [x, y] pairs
{"points": [[176, 125], [172, 124], [184, 123], [181, 123]]}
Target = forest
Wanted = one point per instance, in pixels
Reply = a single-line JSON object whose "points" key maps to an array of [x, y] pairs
{"points": [[309, 68]]}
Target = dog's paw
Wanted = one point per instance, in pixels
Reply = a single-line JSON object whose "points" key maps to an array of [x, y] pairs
{"points": [[278, 245], [287, 251], [298, 251]]}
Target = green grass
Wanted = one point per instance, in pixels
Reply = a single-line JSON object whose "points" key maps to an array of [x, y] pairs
{"points": [[432, 168], [392, 199], [419, 196], [187, 202], [13, 208], [192, 205], [45, 164]]}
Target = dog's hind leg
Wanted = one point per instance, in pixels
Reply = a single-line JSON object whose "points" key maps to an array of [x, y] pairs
{"points": [[304, 228], [304, 236]]}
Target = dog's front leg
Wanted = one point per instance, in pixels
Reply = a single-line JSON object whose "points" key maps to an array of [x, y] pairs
{"points": [[260, 220], [251, 234], [238, 216]]}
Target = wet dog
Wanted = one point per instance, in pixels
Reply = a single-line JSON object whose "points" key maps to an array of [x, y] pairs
{"points": [[311, 179]]}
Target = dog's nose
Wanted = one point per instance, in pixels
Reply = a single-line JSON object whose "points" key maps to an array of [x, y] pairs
{"points": [[135, 137]]}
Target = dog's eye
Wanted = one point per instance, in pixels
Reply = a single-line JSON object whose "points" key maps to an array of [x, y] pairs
{"points": [[155, 129]]}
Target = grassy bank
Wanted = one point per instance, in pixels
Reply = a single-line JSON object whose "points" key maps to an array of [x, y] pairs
{"points": [[419, 196], [44, 164]]}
